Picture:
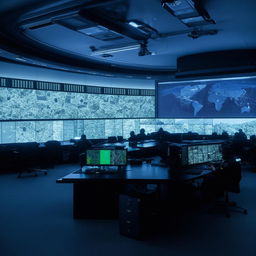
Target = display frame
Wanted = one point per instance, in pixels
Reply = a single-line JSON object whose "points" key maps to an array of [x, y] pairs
{"points": [[203, 79]]}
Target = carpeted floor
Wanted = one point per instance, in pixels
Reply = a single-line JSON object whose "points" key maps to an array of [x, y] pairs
{"points": [[36, 219]]}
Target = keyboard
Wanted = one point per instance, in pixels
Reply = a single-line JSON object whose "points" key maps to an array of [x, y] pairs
{"points": [[193, 171], [96, 171]]}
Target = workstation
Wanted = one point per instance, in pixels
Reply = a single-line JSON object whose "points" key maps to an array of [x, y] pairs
{"points": [[127, 127], [113, 174]]}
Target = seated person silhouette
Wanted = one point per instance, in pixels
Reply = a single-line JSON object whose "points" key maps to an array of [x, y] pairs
{"points": [[83, 144], [132, 137], [224, 135], [239, 141], [242, 136], [142, 135], [162, 135]]}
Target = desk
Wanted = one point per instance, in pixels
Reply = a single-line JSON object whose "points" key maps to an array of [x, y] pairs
{"points": [[96, 195]]}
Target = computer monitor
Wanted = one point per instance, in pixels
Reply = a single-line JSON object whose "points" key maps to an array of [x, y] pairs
{"points": [[181, 155], [198, 154], [106, 157]]}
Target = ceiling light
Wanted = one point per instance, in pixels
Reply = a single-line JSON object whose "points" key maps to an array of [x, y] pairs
{"points": [[190, 12], [133, 24], [110, 50], [101, 33], [20, 59], [143, 28]]}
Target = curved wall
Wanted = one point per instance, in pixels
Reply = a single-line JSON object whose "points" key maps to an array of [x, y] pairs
{"points": [[44, 74], [98, 113]]}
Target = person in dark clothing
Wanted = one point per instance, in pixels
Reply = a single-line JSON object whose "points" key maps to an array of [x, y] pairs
{"points": [[162, 135], [132, 137], [239, 142], [142, 135], [225, 135], [83, 144], [242, 136]]}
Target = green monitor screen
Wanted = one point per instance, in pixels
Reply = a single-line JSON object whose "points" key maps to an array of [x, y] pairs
{"points": [[98, 157]]}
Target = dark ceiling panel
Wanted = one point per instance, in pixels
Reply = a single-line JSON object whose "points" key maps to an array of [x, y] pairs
{"points": [[59, 33]]}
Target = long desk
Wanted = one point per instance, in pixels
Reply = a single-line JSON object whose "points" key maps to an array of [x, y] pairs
{"points": [[96, 195]]}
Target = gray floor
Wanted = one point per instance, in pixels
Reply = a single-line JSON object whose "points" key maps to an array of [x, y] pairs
{"points": [[36, 219]]}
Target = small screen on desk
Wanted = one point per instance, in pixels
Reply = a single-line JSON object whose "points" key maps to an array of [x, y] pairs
{"points": [[105, 157], [204, 153]]}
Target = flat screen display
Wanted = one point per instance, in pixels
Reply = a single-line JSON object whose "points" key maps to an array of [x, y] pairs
{"points": [[198, 154], [106, 157], [234, 98]]}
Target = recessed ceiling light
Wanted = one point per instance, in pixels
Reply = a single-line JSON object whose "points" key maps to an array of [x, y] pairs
{"points": [[134, 24], [20, 59]]}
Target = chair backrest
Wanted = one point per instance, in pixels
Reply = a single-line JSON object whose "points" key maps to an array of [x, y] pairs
{"points": [[233, 177], [53, 144], [120, 138], [112, 139]]}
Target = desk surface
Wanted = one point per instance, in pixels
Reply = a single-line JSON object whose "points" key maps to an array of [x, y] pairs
{"points": [[140, 145], [146, 173]]}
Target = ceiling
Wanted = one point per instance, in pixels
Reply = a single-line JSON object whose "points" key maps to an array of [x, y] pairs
{"points": [[49, 34]]}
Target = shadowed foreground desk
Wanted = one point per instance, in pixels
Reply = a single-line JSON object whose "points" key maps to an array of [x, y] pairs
{"points": [[96, 195]]}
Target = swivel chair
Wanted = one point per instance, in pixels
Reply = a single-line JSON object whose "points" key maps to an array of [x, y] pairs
{"points": [[232, 177], [29, 159], [112, 139]]}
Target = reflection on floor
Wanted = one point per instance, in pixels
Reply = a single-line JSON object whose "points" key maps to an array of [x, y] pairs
{"points": [[36, 219]]}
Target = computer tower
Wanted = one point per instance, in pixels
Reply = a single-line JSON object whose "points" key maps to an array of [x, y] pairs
{"points": [[131, 223]]}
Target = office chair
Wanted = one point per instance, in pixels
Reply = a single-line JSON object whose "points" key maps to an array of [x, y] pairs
{"points": [[112, 139], [53, 152], [120, 139], [231, 177], [29, 159]]}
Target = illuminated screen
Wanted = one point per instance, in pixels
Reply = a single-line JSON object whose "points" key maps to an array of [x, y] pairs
{"points": [[27, 104], [210, 98], [106, 157], [204, 153]]}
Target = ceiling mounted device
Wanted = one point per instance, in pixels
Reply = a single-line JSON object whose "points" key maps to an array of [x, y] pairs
{"points": [[144, 28], [144, 49], [114, 49], [109, 51], [198, 33], [189, 12]]}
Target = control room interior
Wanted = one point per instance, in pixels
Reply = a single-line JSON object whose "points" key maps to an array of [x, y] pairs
{"points": [[127, 127]]}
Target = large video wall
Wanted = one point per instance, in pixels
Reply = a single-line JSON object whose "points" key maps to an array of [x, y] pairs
{"points": [[24, 104], [218, 98], [41, 131], [42, 111]]}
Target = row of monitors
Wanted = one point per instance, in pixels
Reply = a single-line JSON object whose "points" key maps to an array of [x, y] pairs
{"points": [[190, 155], [197, 154]]}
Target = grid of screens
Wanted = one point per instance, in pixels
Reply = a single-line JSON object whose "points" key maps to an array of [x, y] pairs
{"points": [[198, 154], [42, 131], [222, 98], [26, 104], [106, 157]]}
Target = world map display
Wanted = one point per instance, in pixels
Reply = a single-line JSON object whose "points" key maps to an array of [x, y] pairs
{"points": [[212, 99]]}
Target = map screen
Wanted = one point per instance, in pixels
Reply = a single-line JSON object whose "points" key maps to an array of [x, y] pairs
{"points": [[106, 157], [204, 153], [213, 99]]}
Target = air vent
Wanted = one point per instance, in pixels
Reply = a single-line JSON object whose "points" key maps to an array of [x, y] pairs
{"points": [[101, 33], [41, 25], [74, 22]]}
